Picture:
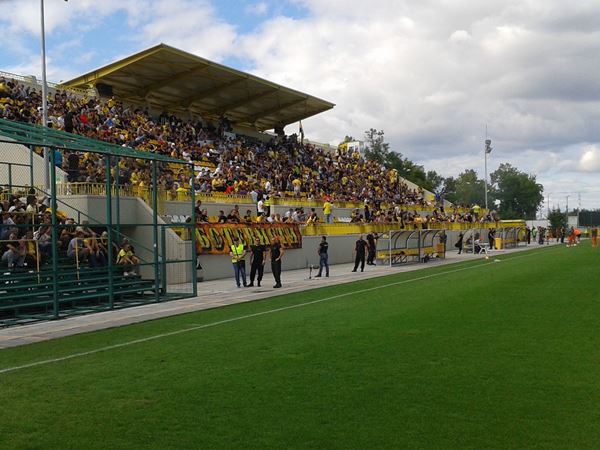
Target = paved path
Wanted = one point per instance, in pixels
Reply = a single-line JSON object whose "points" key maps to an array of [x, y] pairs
{"points": [[213, 294]]}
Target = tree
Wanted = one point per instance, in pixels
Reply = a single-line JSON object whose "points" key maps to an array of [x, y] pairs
{"points": [[518, 193], [557, 219], [376, 149], [467, 189]]}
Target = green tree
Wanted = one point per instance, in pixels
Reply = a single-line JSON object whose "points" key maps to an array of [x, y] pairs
{"points": [[557, 219], [376, 149], [467, 189], [518, 193]]}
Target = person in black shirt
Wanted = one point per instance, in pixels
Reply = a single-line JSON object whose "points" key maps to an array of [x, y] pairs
{"points": [[73, 170], [491, 236], [69, 121], [372, 243], [323, 257], [257, 261], [276, 255], [360, 250]]}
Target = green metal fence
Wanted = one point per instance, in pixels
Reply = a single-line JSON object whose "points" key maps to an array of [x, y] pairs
{"points": [[64, 255]]}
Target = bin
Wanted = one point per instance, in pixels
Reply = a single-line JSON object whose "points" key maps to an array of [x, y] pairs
{"points": [[499, 243]]}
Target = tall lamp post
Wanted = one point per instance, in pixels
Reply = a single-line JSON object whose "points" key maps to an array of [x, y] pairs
{"points": [[44, 98], [488, 150], [45, 95]]}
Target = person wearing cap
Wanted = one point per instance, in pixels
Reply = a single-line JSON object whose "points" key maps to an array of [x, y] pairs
{"points": [[237, 253]]}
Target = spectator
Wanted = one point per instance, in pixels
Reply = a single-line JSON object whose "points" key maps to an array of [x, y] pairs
{"points": [[126, 258]]}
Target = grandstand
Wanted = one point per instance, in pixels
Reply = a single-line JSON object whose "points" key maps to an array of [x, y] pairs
{"points": [[136, 143]]}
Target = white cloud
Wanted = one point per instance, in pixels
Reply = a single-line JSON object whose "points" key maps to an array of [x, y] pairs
{"points": [[460, 37], [257, 9], [430, 73], [589, 160]]}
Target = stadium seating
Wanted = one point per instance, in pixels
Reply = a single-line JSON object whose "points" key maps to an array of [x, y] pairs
{"points": [[27, 295]]}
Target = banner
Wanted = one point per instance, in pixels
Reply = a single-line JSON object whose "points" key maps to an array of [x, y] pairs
{"points": [[216, 239]]}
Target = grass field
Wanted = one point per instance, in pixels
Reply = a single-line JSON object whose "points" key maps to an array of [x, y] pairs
{"points": [[478, 355]]}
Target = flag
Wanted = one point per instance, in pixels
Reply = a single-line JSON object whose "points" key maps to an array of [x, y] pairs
{"points": [[301, 133]]}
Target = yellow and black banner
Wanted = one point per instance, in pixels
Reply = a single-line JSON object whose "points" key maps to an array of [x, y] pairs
{"points": [[216, 239]]}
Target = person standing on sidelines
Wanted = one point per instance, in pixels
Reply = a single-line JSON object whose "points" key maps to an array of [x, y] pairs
{"points": [[257, 261], [237, 253], [276, 253], [459, 242], [372, 243], [594, 233], [360, 249], [323, 257]]}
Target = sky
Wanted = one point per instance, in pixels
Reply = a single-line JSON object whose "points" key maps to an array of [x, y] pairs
{"points": [[430, 73]]}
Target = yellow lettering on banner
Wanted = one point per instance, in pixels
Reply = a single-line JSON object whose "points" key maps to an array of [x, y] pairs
{"points": [[261, 232], [216, 239], [228, 235], [248, 235], [202, 239]]}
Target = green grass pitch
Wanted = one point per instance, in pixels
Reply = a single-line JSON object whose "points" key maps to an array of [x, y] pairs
{"points": [[479, 355]]}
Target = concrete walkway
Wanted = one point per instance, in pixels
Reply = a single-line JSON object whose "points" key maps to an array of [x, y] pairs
{"points": [[214, 294]]}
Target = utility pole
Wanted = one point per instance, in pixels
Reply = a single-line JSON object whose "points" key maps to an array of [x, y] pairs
{"points": [[487, 150], [44, 97]]}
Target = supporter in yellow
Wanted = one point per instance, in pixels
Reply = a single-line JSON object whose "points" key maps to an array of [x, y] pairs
{"points": [[297, 184], [182, 193], [126, 257], [327, 208]]}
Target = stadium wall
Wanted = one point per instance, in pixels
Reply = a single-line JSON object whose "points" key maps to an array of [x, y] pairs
{"points": [[19, 154]]}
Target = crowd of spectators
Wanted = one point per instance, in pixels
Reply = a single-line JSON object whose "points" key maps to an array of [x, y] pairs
{"points": [[26, 237], [227, 163]]}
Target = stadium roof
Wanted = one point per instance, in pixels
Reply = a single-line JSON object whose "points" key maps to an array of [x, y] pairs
{"points": [[39, 136], [176, 81]]}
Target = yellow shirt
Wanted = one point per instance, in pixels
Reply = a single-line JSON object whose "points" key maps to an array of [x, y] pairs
{"points": [[327, 208]]}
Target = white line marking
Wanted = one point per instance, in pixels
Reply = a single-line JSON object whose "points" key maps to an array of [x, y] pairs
{"points": [[248, 316]]}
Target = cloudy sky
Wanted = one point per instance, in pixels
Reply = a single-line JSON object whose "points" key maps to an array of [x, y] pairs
{"points": [[431, 73]]}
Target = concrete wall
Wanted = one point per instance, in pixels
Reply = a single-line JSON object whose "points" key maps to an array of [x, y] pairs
{"points": [[135, 212], [15, 153], [136, 219]]}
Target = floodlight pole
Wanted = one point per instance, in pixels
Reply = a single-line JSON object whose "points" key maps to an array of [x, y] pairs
{"points": [[487, 149], [44, 97]]}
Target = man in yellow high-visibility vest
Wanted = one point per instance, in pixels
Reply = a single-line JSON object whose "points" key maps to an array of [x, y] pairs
{"points": [[237, 253]]}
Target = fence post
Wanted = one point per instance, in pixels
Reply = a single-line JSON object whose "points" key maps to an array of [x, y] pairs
{"points": [[54, 234], [31, 165], [118, 200], [193, 236], [163, 262], [155, 229], [111, 289]]}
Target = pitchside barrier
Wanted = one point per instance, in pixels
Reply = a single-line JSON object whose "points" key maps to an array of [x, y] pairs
{"points": [[413, 246]]}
